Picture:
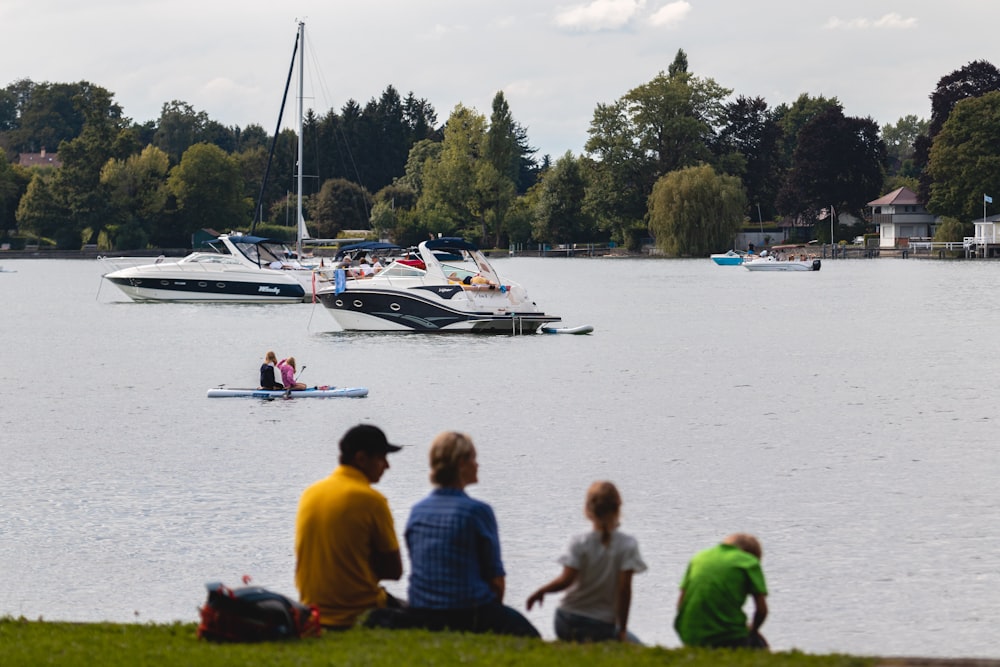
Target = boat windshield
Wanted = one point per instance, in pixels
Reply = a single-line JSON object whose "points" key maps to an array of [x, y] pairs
{"points": [[211, 258], [400, 270]]}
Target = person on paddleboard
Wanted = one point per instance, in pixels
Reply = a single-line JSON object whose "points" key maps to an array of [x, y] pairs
{"points": [[287, 368], [268, 380]]}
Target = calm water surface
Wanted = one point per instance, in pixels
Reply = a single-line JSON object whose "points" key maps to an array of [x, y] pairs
{"points": [[847, 417]]}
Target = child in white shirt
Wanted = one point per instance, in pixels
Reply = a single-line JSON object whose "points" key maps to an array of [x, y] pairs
{"points": [[597, 575]]}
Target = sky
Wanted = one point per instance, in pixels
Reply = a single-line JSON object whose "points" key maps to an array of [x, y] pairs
{"points": [[555, 61]]}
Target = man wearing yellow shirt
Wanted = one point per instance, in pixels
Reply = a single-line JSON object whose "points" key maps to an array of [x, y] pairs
{"points": [[345, 540]]}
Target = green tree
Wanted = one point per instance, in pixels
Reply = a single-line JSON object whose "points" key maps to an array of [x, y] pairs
{"points": [[696, 212], [559, 215], [675, 117], [616, 196], [208, 187], [389, 203], [838, 161], [665, 124], [340, 204], [13, 184], [421, 153], [791, 118], [37, 212], [451, 200], [77, 186], [900, 144], [137, 197], [503, 153], [953, 230], [973, 80], [750, 130], [180, 127], [45, 115], [964, 164]]}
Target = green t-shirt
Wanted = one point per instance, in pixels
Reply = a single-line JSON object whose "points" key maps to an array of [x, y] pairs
{"points": [[716, 584]]}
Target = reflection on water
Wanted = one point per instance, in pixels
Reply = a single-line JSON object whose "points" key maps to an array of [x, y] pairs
{"points": [[847, 417]]}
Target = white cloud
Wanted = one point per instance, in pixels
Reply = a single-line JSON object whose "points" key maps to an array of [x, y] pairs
{"points": [[670, 14], [891, 21], [599, 15]]}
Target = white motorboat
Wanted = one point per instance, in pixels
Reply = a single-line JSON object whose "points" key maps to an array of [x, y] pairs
{"points": [[448, 285], [783, 261], [243, 269]]}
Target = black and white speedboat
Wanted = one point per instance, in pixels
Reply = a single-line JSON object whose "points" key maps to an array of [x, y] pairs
{"points": [[448, 285], [243, 269]]}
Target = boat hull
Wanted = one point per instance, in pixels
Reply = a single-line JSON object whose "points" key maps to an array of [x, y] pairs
{"points": [[205, 288], [427, 310], [312, 392], [731, 258], [794, 265]]}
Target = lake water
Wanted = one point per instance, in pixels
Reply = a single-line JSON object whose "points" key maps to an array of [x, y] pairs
{"points": [[848, 418]]}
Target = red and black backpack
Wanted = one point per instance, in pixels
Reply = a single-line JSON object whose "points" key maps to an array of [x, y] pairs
{"points": [[254, 614]]}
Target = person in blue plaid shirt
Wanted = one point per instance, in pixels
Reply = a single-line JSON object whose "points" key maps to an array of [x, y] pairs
{"points": [[457, 575]]}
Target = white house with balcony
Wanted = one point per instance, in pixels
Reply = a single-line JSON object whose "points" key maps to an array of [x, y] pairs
{"points": [[900, 217]]}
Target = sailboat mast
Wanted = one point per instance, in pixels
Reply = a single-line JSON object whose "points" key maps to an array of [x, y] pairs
{"points": [[300, 221]]}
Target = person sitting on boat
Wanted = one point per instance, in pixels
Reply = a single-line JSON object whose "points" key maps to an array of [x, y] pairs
{"points": [[267, 369], [365, 269], [287, 368]]}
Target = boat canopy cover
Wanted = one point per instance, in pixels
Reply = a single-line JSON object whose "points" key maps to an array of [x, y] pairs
{"points": [[450, 242], [252, 239], [367, 246]]}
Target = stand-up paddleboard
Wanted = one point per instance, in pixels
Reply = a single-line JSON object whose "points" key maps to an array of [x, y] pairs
{"points": [[582, 329], [310, 392]]}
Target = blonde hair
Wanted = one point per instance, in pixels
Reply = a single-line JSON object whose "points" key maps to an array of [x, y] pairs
{"points": [[290, 361], [603, 507], [271, 357], [746, 542], [448, 451]]}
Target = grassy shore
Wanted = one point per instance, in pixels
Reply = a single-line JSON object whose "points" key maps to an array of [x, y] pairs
{"points": [[25, 642]]}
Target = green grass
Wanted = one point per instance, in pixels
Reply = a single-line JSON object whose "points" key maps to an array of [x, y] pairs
{"points": [[25, 642]]}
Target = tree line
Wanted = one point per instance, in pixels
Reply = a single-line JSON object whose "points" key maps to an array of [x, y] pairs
{"points": [[677, 158]]}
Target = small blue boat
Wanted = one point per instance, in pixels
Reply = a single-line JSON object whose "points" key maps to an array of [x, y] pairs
{"points": [[731, 258]]}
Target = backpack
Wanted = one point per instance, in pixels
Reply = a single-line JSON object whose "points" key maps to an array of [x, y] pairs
{"points": [[254, 614]]}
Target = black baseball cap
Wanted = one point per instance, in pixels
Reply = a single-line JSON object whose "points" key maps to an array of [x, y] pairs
{"points": [[366, 438]]}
